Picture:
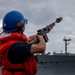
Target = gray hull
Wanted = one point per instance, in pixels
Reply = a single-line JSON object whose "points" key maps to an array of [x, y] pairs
{"points": [[0, 71], [56, 65]]}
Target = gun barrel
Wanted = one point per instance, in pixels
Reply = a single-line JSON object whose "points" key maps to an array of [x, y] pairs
{"points": [[59, 19]]}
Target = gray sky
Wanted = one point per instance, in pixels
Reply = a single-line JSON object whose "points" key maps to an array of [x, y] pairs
{"points": [[43, 12]]}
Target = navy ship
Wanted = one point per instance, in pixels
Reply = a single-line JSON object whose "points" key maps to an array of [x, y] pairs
{"points": [[56, 64]]}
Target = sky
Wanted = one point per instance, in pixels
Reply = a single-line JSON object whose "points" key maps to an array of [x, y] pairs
{"points": [[40, 13]]}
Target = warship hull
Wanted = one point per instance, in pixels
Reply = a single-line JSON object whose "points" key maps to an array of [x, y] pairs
{"points": [[56, 64]]}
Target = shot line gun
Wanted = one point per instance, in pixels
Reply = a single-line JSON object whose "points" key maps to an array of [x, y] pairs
{"points": [[45, 30]]}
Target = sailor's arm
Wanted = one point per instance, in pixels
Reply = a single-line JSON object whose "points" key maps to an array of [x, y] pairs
{"points": [[40, 47], [21, 50]]}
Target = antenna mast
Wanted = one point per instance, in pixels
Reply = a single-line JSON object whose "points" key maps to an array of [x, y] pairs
{"points": [[66, 40]]}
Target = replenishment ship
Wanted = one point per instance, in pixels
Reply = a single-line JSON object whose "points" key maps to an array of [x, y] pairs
{"points": [[56, 64]]}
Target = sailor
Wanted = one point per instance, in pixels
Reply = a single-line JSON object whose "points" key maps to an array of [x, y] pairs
{"points": [[16, 51]]}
